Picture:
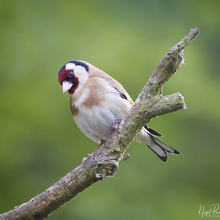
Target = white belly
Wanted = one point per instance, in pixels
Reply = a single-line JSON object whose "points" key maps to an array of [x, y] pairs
{"points": [[97, 122]]}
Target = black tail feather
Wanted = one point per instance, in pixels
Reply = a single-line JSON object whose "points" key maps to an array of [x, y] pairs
{"points": [[153, 131]]}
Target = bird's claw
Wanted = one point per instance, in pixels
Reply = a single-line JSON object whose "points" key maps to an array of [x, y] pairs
{"points": [[86, 158], [116, 125]]}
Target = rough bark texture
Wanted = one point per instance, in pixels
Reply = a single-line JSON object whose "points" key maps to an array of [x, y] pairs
{"points": [[105, 162]]}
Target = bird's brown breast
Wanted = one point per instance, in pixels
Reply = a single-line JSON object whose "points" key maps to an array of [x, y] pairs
{"points": [[74, 110]]}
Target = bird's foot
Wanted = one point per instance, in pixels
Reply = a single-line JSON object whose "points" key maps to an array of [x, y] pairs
{"points": [[86, 158], [89, 155], [116, 125]]}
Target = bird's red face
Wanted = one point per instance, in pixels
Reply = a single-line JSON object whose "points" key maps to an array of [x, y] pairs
{"points": [[68, 80]]}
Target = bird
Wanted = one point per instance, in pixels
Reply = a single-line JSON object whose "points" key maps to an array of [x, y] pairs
{"points": [[98, 102]]}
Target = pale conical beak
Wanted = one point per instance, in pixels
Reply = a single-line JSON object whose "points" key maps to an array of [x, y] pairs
{"points": [[66, 86]]}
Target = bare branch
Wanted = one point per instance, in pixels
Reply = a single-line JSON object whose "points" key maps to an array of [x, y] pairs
{"points": [[105, 162]]}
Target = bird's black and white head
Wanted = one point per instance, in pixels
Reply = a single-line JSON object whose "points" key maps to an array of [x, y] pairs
{"points": [[73, 75]]}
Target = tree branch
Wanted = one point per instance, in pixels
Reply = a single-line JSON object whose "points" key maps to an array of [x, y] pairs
{"points": [[105, 162]]}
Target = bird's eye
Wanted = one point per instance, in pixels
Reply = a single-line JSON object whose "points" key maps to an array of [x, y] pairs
{"points": [[70, 74]]}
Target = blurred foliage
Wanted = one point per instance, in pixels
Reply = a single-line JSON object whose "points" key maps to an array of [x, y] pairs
{"points": [[39, 141]]}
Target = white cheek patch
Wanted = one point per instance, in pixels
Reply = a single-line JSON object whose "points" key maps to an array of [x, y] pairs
{"points": [[70, 66], [82, 75], [80, 71]]}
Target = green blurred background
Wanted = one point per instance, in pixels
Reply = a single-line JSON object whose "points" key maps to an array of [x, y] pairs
{"points": [[39, 141]]}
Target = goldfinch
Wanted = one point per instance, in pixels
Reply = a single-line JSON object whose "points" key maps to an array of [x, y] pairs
{"points": [[98, 102]]}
